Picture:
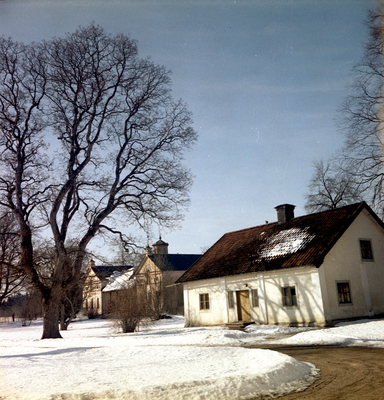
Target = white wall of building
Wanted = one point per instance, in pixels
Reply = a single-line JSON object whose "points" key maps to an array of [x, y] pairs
{"points": [[366, 278], [309, 309]]}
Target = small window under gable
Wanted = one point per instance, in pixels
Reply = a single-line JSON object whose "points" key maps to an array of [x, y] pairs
{"points": [[366, 250]]}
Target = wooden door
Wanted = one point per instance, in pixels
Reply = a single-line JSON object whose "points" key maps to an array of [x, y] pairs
{"points": [[243, 306]]}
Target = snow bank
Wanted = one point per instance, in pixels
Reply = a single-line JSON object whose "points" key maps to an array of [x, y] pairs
{"points": [[166, 361], [358, 333], [159, 372], [92, 362]]}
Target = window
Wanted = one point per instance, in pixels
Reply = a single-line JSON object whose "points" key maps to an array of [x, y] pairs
{"points": [[366, 250], [204, 301], [231, 299], [97, 303], [289, 296], [255, 298], [344, 293]]}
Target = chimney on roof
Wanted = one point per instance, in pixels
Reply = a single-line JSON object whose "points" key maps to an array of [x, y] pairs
{"points": [[91, 264], [285, 213], [160, 247]]}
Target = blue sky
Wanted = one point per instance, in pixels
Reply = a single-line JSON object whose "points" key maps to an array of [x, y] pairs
{"points": [[263, 79]]}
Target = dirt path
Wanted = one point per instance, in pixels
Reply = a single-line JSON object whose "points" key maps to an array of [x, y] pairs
{"points": [[350, 373]]}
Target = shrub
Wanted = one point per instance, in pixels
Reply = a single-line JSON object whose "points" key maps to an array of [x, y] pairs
{"points": [[130, 309]]}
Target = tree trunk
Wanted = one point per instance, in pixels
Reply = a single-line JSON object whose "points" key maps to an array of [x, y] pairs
{"points": [[63, 325], [51, 315]]}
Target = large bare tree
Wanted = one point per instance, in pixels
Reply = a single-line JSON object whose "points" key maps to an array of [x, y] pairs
{"points": [[362, 117], [23, 166], [119, 139]]}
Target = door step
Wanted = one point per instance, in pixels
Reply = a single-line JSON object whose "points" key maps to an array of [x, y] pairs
{"points": [[238, 325]]}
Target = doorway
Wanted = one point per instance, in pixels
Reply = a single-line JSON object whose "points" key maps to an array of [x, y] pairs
{"points": [[243, 306]]}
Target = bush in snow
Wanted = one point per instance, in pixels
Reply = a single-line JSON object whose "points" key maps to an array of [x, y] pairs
{"points": [[130, 309]]}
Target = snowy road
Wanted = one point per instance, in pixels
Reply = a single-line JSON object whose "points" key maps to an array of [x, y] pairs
{"points": [[352, 373]]}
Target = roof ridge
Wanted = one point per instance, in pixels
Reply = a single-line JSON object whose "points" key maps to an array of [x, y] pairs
{"points": [[300, 216]]}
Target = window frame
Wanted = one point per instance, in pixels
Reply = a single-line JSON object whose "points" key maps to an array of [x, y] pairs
{"points": [[339, 293], [292, 298], [363, 252], [204, 302], [231, 299], [255, 298]]}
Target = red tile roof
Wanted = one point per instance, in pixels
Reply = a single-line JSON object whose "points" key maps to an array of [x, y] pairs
{"points": [[301, 241]]}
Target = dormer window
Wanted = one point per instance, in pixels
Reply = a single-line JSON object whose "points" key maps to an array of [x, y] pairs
{"points": [[366, 250]]}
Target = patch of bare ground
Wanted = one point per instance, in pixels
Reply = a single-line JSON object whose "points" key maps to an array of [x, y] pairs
{"points": [[350, 373]]}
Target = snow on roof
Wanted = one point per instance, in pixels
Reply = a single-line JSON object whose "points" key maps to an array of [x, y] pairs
{"points": [[286, 242], [119, 280]]}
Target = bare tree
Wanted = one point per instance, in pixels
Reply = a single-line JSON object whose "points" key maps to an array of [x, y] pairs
{"points": [[22, 87], [361, 117], [12, 277], [331, 186], [126, 253], [121, 139], [131, 308], [71, 299]]}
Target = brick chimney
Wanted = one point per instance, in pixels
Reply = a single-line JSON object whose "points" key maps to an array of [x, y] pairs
{"points": [[285, 213]]}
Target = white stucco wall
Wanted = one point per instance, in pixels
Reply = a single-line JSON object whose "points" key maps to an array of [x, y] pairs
{"points": [[216, 314], [366, 278], [309, 309]]}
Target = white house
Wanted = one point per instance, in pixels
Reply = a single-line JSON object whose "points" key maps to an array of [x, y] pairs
{"points": [[310, 270]]}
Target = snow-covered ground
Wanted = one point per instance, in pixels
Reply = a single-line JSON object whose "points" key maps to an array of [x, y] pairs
{"points": [[166, 361]]}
